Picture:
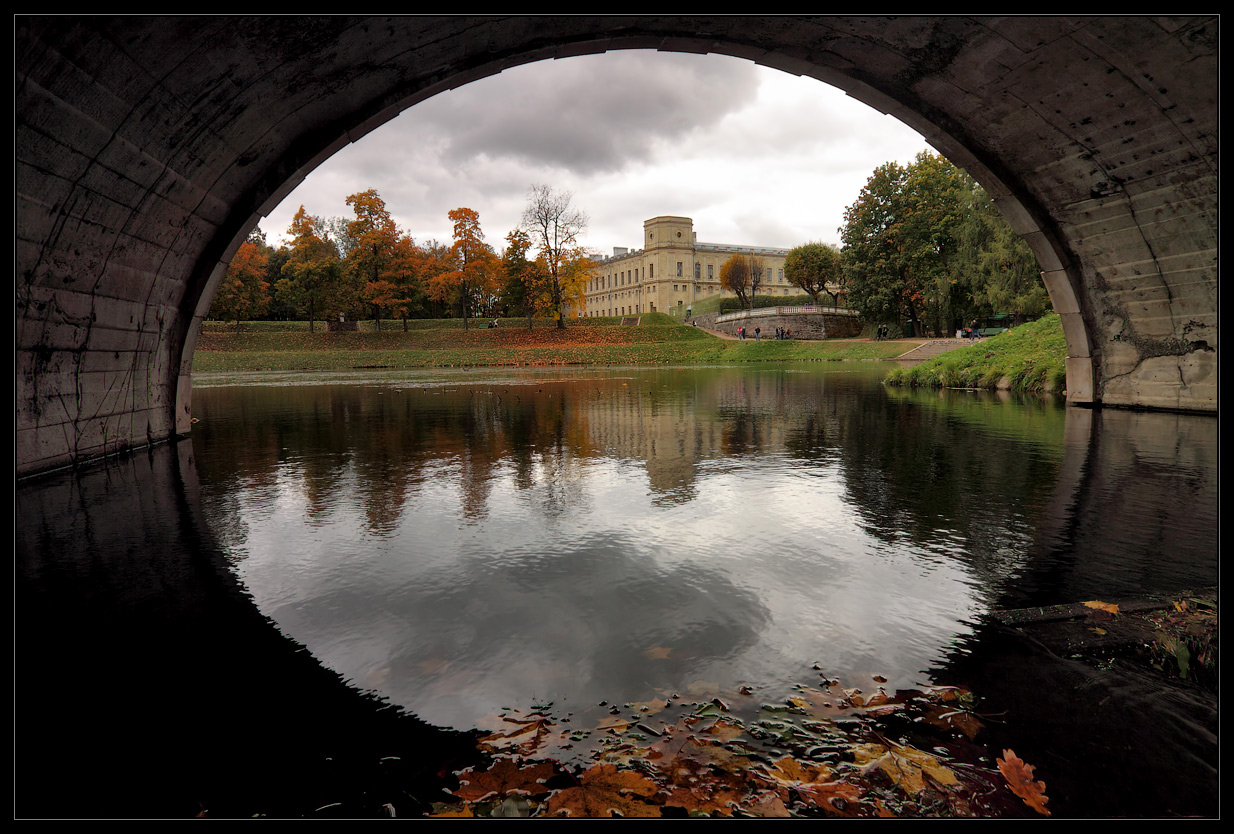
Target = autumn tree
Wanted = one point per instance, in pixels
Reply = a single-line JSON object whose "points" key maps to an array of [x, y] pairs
{"points": [[814, 268], [310, 277], [742, 275], [373, 242], [471, 281], [406, 276], [244, 292], [435, 258], [554, 228]]}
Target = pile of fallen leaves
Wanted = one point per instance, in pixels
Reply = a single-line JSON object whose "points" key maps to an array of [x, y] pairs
{"points": [[825, 750], [1185, 639]]}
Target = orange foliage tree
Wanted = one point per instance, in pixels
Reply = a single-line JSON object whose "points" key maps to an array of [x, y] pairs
{"points": [[472, 280], [311, 273], [371, 261], [244, 292]]}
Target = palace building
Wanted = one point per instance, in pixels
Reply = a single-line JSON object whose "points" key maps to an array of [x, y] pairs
{"points": [[672, 272]]}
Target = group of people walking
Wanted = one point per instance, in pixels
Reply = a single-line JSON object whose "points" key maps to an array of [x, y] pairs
{"points": [[781, 333], [884, 331]]}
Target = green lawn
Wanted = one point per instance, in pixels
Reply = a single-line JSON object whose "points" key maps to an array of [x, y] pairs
{"points": [[1030, 358], [277, 346]]}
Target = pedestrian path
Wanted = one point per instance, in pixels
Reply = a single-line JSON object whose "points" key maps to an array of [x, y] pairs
{"points": [[932, 348]]}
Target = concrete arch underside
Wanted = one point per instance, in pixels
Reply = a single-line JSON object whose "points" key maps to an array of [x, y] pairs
{"points": [[147, 148]]}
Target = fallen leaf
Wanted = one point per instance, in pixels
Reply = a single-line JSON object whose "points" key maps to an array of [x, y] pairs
{"points": [[766, 805], [451, 811], [650, 707], [906, 766], [504, 778], [813, 782], [605, 791], [1102, 606], [1019, 776], [615, 724], [658, 652], [724, 730]]}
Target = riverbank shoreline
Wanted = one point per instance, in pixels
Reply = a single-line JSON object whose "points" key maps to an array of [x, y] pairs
{"points": [[1028, 359], [656, 340]]}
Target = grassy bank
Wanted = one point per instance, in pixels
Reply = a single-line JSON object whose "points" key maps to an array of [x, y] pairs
{"points": [[278, 346], [1030, 358]]}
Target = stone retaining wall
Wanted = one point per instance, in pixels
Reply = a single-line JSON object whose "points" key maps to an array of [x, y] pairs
{"points": [[803, 324]]}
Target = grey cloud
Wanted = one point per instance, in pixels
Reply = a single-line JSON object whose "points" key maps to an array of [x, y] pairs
{"points": [[586, 115]]}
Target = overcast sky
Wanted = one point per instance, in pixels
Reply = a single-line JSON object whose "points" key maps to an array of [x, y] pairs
{"points": [[754, 155]]}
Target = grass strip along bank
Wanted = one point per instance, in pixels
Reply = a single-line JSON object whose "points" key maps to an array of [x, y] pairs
{"points": [[658, 339], [1030, 358]]}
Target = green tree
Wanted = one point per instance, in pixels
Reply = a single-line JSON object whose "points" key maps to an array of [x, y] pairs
{"points": [[899, 238], [524, 278], [814, 268], [997, 266]]}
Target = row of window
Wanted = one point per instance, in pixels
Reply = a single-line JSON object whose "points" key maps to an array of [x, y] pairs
{"points": [[621, 279]]}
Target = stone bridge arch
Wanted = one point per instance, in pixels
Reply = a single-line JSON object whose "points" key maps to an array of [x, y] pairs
{"points": [[147, 148]]}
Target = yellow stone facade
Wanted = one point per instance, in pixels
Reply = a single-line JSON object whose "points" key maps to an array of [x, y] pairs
{"points": [[672, 272]]}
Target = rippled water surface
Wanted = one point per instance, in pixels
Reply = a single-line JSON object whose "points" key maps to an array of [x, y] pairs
{"points": [[462, 542]]}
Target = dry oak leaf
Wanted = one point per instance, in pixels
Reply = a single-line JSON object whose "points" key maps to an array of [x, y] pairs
{"points": [[1019, 776], [605, 791], [1102, 606], [505, 777]]}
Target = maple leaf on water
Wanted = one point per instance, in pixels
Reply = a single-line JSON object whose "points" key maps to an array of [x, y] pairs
{"points": [[814, 782], [1019, 776], [505, 777], [604, 791]]}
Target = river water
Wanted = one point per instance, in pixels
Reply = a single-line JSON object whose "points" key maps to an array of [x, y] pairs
{"points": [[456, 544]]}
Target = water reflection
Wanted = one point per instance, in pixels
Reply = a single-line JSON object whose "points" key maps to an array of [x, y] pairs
{"points": [[455, 542], [462, 543]]}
